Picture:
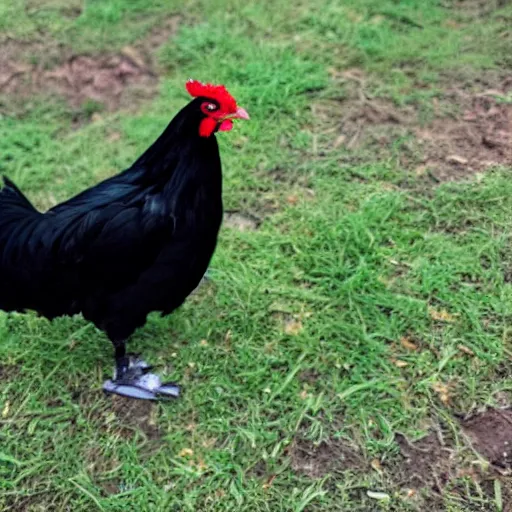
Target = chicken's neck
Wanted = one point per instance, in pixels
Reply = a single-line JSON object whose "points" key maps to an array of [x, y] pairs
{"points": [[184, 169], [181, 155]]}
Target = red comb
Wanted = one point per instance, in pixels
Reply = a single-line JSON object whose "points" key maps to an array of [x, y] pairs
{"points": [[215, 92]]}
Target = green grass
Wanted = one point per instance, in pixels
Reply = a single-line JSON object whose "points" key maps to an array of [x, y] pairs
{"points": [[327, 286]]}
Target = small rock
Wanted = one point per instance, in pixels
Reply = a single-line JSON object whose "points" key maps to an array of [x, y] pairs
{"points": [[241, 222], [114, 136], [134, 55], [470, 116], [456, 159], [292, 327], [339, 141], [378, 495]]}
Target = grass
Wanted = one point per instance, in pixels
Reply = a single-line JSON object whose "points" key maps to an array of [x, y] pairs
{"points": [[299, 335]]}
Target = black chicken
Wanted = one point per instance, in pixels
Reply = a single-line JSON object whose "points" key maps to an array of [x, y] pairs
{"points": [[138, 242]]}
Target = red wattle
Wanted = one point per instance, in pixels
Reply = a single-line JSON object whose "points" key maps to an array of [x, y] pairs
{"points": [[226, 125], [206, 127]]}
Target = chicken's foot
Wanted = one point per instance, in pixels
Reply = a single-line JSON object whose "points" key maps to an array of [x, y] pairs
{"points": [[132, 378]]}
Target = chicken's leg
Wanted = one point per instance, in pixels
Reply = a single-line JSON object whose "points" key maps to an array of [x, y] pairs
{"points": [[132, 378]]}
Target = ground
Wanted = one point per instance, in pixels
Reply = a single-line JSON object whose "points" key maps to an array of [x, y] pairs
{"points": [[352, 349]]}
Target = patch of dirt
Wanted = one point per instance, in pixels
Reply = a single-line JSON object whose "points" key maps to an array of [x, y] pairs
{"points": [[316, 461], [36, 503], [476, 8], [81, 79], [426, 471], [259, 470], [507, 273], [72, 9], [490, 433], [434, 463], [479, 138], [489, 489], [126, 417], [357, 120], [425, 463], [309, 376], [98, 464], [365, 122], [94, 82], [8, 372], [241, 221], [475, 136], [160, 34], [288, 177]]}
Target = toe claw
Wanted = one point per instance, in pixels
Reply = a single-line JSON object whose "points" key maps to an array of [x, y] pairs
{"points": [[128, 390], [144, 385], [169, 389]]}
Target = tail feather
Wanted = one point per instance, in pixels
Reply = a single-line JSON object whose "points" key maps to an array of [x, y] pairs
{"points": [[17, 215], [18, 220], [12, 196]]}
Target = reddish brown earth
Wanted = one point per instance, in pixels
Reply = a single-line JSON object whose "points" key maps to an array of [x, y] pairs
{"points": [[111, 80], [424, 470], [471, 128]]}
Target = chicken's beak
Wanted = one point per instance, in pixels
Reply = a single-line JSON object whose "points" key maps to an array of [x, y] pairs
{"points": [[226, 124], [240, 113]]}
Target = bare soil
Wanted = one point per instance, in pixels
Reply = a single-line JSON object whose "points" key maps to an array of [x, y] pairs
{"points": [[471, 129], [123, 416], [241, 221], [477, 138], [113, 81], [81, 78], [99, 464], [426, 469], [316, 461], [426, 463], [490, 433], [135, 415], [475, 8]]}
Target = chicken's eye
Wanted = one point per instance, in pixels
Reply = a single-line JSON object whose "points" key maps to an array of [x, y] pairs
{"points": [[208, 107]]}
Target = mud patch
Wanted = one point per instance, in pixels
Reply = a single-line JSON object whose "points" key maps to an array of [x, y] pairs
{"points": [[476, 8], [425, 463], [8, 372], [93, 82], [82, 79], [479, 138], [316, 461], [159, 35], [365, 122], [475, 136], [358, 121], [99, 464], [241, 221], [283, 176], [490, 434], [127, 416], [426, 473], [71, 9], [27, 504], [436, 464], [309, 376]]}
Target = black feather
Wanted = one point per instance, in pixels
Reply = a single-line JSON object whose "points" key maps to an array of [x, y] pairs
{"points": [[135, 243]]}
